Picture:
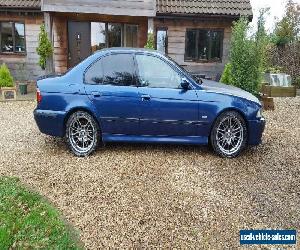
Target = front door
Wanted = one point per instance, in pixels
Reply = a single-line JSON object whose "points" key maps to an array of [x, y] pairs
{"points": [[79, 42], [110, 84], [166, 109]]}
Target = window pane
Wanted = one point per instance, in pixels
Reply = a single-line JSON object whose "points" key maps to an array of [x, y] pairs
{"points": [[190, 50], [161, 41], [155, 73], [114, 34], [118, 69], [203, 45], [19, 37], [216, 41], [131, 36], [6, 37], [97, 36], [94, 75]]}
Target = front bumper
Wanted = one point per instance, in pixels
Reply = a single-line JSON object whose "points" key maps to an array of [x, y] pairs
{"points": [[256, 129], [50, 122]]}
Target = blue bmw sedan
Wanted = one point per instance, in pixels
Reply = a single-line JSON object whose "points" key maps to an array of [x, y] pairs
{"points": [[141, 96]]}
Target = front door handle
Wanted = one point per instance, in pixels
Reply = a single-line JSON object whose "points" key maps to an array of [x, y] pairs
{"points": [[146, 97], [96, 93]]}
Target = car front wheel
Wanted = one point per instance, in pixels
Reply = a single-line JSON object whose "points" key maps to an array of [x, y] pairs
{"points": [[82, 133], [229, 134]]}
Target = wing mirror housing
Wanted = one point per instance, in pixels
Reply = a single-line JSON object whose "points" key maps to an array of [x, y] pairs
{"points": [[185, 84]]}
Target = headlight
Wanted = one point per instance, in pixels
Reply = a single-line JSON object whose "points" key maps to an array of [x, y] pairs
{"points": [[259, 113]]}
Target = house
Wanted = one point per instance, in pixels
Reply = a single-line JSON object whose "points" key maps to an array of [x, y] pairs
{"points": [[195, 33], [19, 29]]}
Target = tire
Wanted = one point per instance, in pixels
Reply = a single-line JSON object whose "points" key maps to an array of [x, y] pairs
{"points": [[229, 134], [82, 133]]}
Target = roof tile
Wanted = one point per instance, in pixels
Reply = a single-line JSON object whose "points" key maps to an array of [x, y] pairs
{"points": [[20, 4], [217, 7]]}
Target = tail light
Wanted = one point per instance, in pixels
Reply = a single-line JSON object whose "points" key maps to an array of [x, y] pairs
{"points": [[38, 96]]}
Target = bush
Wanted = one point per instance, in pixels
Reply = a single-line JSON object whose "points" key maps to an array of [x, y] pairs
{"points": [[44, 48], [297, 82], [6, 79], [247, 57], [150, 41], [227, 75]]}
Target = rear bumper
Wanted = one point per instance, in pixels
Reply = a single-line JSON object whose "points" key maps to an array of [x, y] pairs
{"points": [[50, 122], [256, 129]]}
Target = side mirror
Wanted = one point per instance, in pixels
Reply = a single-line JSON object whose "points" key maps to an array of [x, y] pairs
{"points": [[185, 84]]}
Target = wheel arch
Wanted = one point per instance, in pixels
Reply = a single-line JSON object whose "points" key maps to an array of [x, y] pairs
{"points": [[228, 110], [76, 109]]}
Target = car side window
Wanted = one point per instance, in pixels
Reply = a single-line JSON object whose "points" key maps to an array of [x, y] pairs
{"points": [[116, 69], [94, 74], [155, 73]]}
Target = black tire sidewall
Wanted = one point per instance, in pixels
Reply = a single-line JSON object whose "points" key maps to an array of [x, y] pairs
{"points": [[97, 135], [213, 140]]}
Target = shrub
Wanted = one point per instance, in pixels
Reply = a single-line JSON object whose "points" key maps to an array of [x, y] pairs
{"points": [[247, 56], [297, 82], [6, 79], [227, 75], [44, 48], [150, 41]]}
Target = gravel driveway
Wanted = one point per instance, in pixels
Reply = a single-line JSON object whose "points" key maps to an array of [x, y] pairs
{"points": [[161, 196]]}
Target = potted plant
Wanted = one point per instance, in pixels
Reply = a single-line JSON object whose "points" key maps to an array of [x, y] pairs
{"points": [[23, 79], [7, 83]]}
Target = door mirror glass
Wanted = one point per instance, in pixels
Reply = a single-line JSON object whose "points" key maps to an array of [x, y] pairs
{"points": [[185, 84]]}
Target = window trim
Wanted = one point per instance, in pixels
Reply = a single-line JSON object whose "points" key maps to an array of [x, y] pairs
{"points": [[134, 75], [188, 59], [162, 28], [160, 58], [14, 52], [123, 32]]}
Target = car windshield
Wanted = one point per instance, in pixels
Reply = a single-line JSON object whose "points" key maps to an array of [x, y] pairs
{"points": [[195, 78]]}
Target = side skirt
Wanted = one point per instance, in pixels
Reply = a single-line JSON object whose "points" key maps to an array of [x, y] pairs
{"points": [[189, 140]]}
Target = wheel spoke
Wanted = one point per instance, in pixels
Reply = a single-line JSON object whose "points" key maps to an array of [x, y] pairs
{"points": [[229, 134]]}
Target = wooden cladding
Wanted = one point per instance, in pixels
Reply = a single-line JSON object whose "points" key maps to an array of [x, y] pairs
{"points": [[105, 7]]}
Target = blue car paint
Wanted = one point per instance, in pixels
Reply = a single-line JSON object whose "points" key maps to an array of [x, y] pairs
{"points": [[170, 116]]}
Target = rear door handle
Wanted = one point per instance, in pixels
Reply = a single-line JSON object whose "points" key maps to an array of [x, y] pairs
{"points": [[146, 97], [96, 93]]}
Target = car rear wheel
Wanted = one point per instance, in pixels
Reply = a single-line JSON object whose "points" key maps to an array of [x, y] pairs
{"points": [[82, 133], [229, 134]]}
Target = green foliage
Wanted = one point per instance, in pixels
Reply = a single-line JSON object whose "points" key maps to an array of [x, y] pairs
{"points": [[288, 28], [6, 79], [44, 48], [247, 56], [274, 70], [28, 221], [150, 41], [297, 82], [227, 74]]}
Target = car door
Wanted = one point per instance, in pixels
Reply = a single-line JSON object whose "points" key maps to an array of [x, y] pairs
{"points": [[166, 108], [111, 85]]}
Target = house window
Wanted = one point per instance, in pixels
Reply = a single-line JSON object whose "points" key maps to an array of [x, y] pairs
{"points": [[106, 35], [114, 35], [12, 37], [203, 45], [161, 40], [98, 36], [130, 35]]}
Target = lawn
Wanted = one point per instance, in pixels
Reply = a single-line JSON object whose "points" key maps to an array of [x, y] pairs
{"points": [[28, 221]]}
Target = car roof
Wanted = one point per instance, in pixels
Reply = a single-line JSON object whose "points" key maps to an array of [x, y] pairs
{"points": [[128, 49]]}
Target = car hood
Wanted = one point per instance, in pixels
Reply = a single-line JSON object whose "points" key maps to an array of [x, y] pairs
{"points": [[228, 90]]}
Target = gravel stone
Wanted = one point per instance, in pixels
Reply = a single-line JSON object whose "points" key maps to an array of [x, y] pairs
{"points": [[165, 196]]}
